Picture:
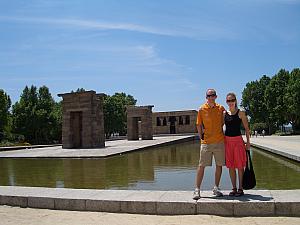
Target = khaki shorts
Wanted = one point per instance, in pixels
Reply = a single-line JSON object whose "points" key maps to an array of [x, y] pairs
{"points": [[207, 151]]}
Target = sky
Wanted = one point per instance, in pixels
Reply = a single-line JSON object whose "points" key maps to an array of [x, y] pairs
{"points": [[165, 53]]}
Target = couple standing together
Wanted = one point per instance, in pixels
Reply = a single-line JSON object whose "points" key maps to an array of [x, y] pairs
{"points": [[228, 150]]}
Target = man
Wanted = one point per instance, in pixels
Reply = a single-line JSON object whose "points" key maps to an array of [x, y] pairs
{"points": [[210, 130]]}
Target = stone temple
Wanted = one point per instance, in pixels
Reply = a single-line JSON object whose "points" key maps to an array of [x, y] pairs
{"points": [[83, 120], [136, 114]]}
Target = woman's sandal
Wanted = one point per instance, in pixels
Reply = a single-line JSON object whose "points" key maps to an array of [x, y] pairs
{"points": [[233, 192], [239, 193]]}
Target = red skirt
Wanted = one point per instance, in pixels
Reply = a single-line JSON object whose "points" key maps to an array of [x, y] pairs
{"points": [[235, 152]]}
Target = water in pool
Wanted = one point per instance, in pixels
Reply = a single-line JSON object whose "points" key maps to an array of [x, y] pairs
{"points": [[165, 168]]}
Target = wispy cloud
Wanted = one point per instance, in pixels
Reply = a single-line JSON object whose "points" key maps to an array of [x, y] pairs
{"points": [[137, 62], [92, 24], [203, 31]]}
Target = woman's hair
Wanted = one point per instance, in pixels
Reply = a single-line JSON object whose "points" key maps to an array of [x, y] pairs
{"points": [[232, 95]]}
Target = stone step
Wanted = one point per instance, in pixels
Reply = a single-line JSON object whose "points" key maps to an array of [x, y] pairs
{"points": [[253, 203]]}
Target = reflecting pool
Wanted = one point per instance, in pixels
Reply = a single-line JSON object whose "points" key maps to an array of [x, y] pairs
{"points": [[165, 168]]}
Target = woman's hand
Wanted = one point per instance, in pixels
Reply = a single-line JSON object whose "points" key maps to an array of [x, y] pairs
{"points": [[247, 146]]}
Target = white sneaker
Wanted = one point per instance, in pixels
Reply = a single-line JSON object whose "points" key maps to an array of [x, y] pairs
{"points": [[196, 194], [217, 192]]}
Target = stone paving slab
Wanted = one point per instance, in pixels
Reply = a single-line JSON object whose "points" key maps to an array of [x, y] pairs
{"points": [[287, 146], [253, 203], [11, 148], [207, 204], [111, 148], [287, 202]]}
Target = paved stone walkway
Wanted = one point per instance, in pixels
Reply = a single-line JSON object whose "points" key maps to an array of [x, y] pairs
{"points": [[287, 146], [112, 148], [16, 216]]}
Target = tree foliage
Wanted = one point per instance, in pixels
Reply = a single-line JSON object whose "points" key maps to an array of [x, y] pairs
{"points": [[274, 98], [115, 112], [274, 101], [292, 99], [33, 115], [253, 99], [5, 104]]}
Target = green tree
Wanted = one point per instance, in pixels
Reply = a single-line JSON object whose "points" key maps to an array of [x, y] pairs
{"points": [[253, 100], [56, 114], [274, 98], [33, 115], [5, 104], [78, 90], [24, 113], [259, 127], [292, 99], [115, 112], [45, 121]]}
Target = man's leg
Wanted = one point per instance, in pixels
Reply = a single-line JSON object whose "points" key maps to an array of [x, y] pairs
{"points": [[200, 175], [219, 155], [199, 178], [216, 190], [205, 160], [218, 174]]}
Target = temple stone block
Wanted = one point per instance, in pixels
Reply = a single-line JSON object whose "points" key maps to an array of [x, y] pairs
{"points": [[136, 114], [83, 120]]}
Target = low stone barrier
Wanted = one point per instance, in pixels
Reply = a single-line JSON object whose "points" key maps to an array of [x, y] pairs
{"points": [[253, 203]]}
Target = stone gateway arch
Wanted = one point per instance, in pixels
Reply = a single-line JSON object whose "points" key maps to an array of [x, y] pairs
{"points": [[136, 114], [82, 120]]}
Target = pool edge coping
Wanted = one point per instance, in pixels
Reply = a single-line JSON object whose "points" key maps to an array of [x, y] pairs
{"points": [[253, 203]]}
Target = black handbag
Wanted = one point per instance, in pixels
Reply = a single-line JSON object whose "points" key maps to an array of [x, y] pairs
{"points": [[249, 180]]}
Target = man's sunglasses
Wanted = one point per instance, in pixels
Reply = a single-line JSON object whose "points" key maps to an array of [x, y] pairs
{"points": [[231, 100], [212, 95]]}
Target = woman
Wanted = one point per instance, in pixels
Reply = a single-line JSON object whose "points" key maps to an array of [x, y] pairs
{"points": [[235, 149]]}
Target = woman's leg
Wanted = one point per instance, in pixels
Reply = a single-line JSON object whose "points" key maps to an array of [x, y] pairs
{"points": [[232, 177], [233, 181], [241, 173]]}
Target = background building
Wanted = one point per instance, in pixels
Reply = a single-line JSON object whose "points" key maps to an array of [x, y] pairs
{"points": [[174, 122]]}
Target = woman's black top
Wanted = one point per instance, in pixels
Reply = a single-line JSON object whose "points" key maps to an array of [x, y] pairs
{"points": [[233, 124]]}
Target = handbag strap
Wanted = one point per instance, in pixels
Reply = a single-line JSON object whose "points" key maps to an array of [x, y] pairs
{"points": [[250, 161]]}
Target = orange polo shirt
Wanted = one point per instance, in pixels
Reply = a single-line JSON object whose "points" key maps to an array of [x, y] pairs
{"points": [[212, 120]]}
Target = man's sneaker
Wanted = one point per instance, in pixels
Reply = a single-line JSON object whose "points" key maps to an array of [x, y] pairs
{"points": [[217, 192], [196, 194]]}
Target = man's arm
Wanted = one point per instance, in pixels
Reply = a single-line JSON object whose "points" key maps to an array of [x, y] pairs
{"points": [[200, 130], [199, 124]]}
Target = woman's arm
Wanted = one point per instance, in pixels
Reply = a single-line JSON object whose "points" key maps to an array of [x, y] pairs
{"points": [[244, 119]]}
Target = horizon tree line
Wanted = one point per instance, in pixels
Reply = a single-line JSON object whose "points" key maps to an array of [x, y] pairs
{"points": [[270, 102]]}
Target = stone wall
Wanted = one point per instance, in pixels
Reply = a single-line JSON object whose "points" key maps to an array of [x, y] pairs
{"points": [[176, 122]]}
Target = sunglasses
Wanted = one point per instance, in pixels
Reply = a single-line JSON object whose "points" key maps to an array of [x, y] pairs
{"points": [[231, 100], [212, 95]]}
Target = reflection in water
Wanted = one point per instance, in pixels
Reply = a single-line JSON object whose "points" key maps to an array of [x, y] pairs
{"points": [[165, 168], [274, 172]]}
